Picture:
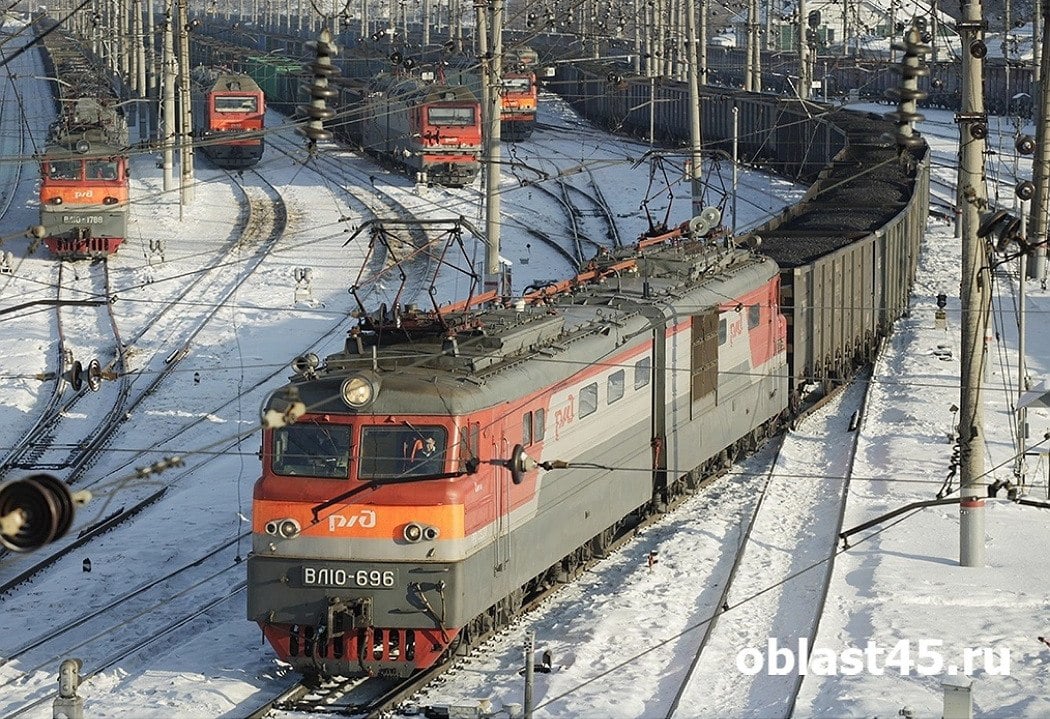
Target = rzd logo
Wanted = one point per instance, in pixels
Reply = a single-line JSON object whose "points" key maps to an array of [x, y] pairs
{"points": [[365, 518]]}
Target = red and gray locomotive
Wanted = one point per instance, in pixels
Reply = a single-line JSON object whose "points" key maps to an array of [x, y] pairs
{"points": [[84, 187], [387, 527], [229, 115], [431, 131]]}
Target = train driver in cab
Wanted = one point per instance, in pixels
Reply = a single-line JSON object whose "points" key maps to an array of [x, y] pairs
{"points": [[426, 457]]}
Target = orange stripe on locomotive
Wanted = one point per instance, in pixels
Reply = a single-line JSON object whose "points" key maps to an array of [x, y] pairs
{"points": [[84, 194]]}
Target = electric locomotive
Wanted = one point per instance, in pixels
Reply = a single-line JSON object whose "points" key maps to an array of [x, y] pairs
{"points": [[229, 111], [84, 180], [408, 509], [519, 93], [431, 131]]}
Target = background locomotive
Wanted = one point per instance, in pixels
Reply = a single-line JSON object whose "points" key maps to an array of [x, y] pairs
{"points": [[519, 91], [371, 557], [426, 129], [83, 166], [229, 111]]}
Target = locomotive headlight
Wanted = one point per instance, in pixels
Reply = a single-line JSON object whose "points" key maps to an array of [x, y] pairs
{"points": [[55, 200], [413, 532], [289, 528], [283, 528], [109, 201], [358, 391]]}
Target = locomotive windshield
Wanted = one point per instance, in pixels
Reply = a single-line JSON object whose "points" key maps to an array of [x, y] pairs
{"points": [[312, 450], [101, 170], [517, 84], [64, 170], [236, 103], [402, 451], [450, 115]]}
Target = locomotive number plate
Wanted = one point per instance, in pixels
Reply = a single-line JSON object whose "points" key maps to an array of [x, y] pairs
{"points": [[352, 578]]}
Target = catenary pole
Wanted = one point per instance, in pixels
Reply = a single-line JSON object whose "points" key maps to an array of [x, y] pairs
{"points": [[1020, 468], [168, 115], [696, 163], [1040, 217], [973, 127], [490, 50], [186, 130], [805, 79]]}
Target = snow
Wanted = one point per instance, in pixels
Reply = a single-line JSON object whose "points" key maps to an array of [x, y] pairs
{"points": [[622, 638]]}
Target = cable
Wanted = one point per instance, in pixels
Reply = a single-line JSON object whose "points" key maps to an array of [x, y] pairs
{"points": [[36, 39]]}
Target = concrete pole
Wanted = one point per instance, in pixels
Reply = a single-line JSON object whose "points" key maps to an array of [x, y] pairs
{"points": [[749, 63], [756, 63], [186, 131], [804, 70], [492, 63], [140, 48], [426, 23], [123, 31], [769, 44], [701, 54], [1038, 22], [96, 34], [736, 158], [637, 60], [151, 62], [109, 37], [973, 127], [695, 142], [1041, 166], [168, 116], [1022, 380]]}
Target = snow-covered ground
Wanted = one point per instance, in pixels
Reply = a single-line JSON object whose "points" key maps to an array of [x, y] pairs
{"points": [[620, 638]]}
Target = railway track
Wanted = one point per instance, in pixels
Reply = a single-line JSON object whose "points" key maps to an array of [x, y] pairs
{"points": [[201, 575], [263, 226], [100, 631], [369, 200], [132, 645], [64, 438], [793, 530]]}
